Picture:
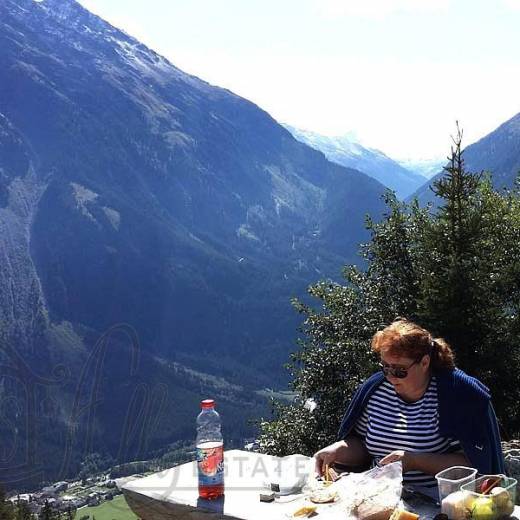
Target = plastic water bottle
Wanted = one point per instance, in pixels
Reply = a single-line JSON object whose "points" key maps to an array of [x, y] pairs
{"points": [[210, 452]]}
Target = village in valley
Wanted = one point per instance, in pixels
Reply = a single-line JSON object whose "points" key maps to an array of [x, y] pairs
{"points": [[70, 496]]}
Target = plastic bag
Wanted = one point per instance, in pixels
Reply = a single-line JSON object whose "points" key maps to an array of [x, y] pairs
{"points": [[374, 494]]}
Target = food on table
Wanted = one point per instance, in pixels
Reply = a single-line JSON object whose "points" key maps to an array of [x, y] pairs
{"points": [[374, 509], [464, 505], [323, 496], [489, 483], [503, 501], [454, 505], [377, 493], [500, 496], [326, 476], [469, 501], [305, 510], [330, 474], [507, 510], [402, 514], [483, 509]]}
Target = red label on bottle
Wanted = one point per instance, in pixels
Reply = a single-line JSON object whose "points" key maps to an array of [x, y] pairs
{"points": [[210, 462]]}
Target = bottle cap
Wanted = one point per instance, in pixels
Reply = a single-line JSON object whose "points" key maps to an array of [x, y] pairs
{"points": [[207, 403]]}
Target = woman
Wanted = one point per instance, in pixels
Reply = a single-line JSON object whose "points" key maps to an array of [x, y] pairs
{"points": [[420, 410]]}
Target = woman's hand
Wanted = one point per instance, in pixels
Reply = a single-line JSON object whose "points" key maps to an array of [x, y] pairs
{"points": [[349, 452], [394, 456], [327, 455]]}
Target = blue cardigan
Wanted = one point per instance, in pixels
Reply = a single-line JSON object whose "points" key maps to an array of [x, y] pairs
{"points": [[465, 414]]}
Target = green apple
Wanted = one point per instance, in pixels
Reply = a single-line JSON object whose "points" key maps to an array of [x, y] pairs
{"points": [[483, 509], [469, 500]]}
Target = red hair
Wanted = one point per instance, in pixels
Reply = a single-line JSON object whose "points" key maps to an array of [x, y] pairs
{"points": [[407, 339]]}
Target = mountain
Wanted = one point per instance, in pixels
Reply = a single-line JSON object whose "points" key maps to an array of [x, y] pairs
{"points": [[347, 152], [425, 167], [497, 153], [153, 230]]}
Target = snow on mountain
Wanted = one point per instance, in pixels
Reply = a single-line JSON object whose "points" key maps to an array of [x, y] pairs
{"points": [[347, 151], [425, 167]]}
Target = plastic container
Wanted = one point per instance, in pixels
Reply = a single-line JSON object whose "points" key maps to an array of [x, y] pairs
{"points": [[210, 452], [450, 480], [499, 502]]}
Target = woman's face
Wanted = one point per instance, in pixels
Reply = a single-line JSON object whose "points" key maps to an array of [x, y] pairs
{"points": [[417, 372]]}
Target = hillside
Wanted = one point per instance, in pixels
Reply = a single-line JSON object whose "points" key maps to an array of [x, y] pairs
{"points": [[172, 215], [346, 151]]}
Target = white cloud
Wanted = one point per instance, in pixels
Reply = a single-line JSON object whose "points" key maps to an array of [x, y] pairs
{"points": [[406, 109], [121, 21], [406, 106], [377, 8], [513, 4]]}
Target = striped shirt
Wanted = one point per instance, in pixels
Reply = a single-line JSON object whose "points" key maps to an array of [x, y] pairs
{"points": [[389, 423]]}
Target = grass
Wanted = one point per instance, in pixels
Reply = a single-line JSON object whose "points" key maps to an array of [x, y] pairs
{"points": [[116, 509]]}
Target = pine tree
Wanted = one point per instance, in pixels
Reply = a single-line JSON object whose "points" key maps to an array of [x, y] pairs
{"points": [[22, 511], [6, 508], [455, 240], [48, 513], [468, 292]]}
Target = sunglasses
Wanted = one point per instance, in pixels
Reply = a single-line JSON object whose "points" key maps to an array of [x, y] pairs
{"points": [[397, 372]]}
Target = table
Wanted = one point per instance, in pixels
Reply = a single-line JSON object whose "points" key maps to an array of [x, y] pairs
{"points": [[173, 494]]}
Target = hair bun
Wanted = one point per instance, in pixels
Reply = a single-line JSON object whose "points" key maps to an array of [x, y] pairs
{"points": [[406, 338]]}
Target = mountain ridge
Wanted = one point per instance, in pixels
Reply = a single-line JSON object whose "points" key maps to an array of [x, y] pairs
{"points": [[346, 151], [497, 153], [135, 197]]}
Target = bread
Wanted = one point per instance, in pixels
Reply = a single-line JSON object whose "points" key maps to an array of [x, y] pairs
{"points": [[323, 496], [401, 514], [372, 509], [330, 475], [305, 510]]}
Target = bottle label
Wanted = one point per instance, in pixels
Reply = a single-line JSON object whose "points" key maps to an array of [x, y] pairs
{"points": [[210, 462]]}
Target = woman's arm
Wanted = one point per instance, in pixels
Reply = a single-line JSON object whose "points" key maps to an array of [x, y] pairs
{"points": [[350, 452], [429, 463]]}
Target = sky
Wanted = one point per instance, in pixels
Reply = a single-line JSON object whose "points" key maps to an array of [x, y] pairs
{"points": [[396, 73]]}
